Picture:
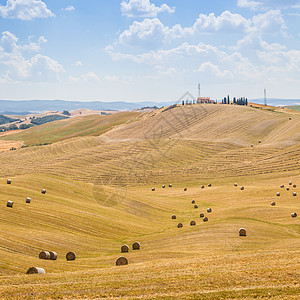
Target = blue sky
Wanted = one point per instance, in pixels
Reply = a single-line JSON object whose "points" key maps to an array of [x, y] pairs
{"points": [[148, 50]]}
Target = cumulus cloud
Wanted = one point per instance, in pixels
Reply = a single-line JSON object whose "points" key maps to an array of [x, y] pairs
{"points": [[25, 10], [149, 33], [152, 33], [84, 78], [227, 21], [209, 67], [18, 67], [9, 44], [143, 8], [269, 23]]}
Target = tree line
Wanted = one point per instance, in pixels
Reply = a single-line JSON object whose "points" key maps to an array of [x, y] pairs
{"points": [[239, 101]]}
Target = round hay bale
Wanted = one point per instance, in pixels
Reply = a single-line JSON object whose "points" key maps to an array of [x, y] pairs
{"points": [[294, 215], [290, 118], [294, 186], [242, 232], [43, 191], [170, 185], [122, 261], [209, 185], [202, 186], [71, 255], [44, 255], [53, 255], [136, 246], [205, 219], [259, 141], [242, 188], [153, 189], [192, 223], [28, 200], [235, 184], [287, 188], [124, 248], [10, 203], [195, 206], [252, 146], [278, 194], [273, 203], [209, 210], [185, 189], [35, 270], [193, 201], [173, 217], [179, 225], [294, 194], [8, 181], [163, 186], [202, 215], [290, 183], [282, 186]]}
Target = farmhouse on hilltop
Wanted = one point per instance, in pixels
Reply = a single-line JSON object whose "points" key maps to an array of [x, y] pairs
{"points": [[201, 100]]}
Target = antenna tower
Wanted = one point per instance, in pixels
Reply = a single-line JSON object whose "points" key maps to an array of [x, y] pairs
{"points": [[265, 97], [199, 90]]}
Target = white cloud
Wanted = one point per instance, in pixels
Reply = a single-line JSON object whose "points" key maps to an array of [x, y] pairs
{"points": [[270, 23], [166, 71], [116, 78], [111, 78], [69, 8], [16, 67], [152, 33], [213, 69], [9, 44], [225, 22], [78, 63], [87, 77], [38, 68], [143, 8], [149, 33], [268, 4], [25, 10]]}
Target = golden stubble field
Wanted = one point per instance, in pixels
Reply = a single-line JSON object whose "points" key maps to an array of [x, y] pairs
{"points": [[99, 197]]}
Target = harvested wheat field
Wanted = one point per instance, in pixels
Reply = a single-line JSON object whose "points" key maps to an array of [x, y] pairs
{"points": [[99, 197]]}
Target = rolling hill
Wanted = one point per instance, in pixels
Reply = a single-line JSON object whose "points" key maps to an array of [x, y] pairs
{"points": [[99, 172]]}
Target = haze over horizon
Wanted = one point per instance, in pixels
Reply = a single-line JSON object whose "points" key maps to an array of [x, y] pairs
{"points": [[148, 50]]}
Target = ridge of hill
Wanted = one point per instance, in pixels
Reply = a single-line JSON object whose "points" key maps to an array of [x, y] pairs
{"points": [[200, 141], [213, 123], [91, 125], [21, 106]]}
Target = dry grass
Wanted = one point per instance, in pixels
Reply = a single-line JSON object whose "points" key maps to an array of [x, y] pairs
{"points": [[99, 197]]}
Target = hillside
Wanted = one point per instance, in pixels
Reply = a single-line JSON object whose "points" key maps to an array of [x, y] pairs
{"points": [[99, 173], [296, 107], [91, 125]]}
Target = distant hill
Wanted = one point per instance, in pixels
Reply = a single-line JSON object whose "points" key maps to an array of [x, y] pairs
{"points": [[296, 107], [60, 105], [11, 107], [277, 101]]}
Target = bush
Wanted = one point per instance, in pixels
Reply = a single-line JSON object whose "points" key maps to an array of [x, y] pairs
{"points": [[5, 120], [65, 112], [25, 126], [47, 119]]}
